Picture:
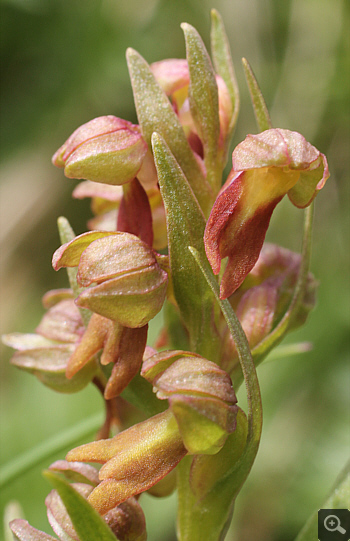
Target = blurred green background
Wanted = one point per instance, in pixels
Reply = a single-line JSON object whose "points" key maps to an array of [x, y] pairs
{"points": [[63, 63]]}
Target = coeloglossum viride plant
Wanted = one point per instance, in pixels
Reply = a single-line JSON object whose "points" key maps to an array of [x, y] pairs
{"points": [[167, 235]]}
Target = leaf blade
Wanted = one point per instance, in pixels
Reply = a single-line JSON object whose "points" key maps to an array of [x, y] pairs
{"points": [[221, 54], [155, 114], [260, 110], [185, 224], [204, 102], [88, 524]]}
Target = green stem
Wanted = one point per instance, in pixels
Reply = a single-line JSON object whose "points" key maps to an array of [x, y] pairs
{"points": [[40, 453], [248, 369]]}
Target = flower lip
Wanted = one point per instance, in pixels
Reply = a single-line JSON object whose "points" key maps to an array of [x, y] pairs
{"points": [[277, 148], [266, 167]]}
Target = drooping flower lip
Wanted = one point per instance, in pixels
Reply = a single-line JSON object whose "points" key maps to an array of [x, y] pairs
{"points": [[275, 147], [288, 150], [266, 167]]}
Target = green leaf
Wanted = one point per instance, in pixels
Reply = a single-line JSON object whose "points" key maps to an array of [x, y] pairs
{"points": [[260, 110], [60, 441], [221, 54], [204, 103], [155, 114], [338, 499], [88, 524], [185, 224]]}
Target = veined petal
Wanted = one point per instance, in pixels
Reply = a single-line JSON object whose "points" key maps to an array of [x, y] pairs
{"points": [[26, 341], [23, 531], [266, 167], [132, 299], [98, 126], [285, 149], [87, 188], [134, 460], [112, 256], [62, 322], [49, 365], [238, 222], [274, 148], [77, 472], [115, 158], [68, 255]]}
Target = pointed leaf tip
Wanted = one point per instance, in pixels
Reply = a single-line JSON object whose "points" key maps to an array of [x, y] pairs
{"points": [[259, 105], [222, 60], [204, 102], [155, 113]]}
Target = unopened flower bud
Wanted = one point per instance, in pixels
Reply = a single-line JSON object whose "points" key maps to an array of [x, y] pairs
{"points": [[264, 297], [127, 521], [278, 268], [107, 149], [200, 395], [131, 286]]}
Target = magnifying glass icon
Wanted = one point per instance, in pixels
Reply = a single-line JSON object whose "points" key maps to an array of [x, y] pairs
{"points": [[332, 524]]}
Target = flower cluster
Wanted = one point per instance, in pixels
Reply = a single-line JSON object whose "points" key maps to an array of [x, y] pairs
{"points": [[156, 191], [126, 521]]}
